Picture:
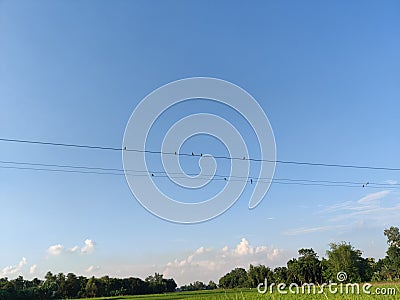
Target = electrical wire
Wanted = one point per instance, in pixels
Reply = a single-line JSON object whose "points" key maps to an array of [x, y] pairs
{"points": [[292, 162], [160, 174]]}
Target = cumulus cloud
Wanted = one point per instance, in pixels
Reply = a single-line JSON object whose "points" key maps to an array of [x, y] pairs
{"points": [[207, 263], [243, 248], [89, 247], [32, 269], [11, 270], [55, 249], [59, 249]]}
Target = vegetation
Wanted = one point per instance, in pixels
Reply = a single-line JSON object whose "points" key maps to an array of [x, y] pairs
{"points": [[252, 294], [71, 286], [307, 268]]}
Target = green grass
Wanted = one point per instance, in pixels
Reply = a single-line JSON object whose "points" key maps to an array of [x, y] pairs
{"points": [[250, 294]]}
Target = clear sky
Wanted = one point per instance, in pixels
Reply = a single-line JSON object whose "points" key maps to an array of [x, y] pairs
{"points": [[326, 74]]}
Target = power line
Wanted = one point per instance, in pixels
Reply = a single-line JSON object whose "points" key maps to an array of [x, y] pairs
{"points": [[283, 181], [292, 162], [128, 171], [62, 166], [60, 170], [59, 144]]}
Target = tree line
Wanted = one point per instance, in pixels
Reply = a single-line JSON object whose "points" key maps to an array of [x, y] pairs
{"points": [[307, 268], [71, 286]]}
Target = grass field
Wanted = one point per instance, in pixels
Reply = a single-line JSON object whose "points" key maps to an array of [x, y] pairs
{"points": [[240, 294]]}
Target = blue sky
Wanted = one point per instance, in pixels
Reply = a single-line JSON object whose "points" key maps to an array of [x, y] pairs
{"points": [[326, 75]]}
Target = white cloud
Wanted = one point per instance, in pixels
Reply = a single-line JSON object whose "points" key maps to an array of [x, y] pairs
{"points": [[373, 197], [206, 263], [92, 269], [32, 269], [59, 249], [55, 249], [88, 248], [368, 201], [243, 248], [305, 230], [73, 249], [201, 250], [369, 207], [375, 208], [10, 270]]}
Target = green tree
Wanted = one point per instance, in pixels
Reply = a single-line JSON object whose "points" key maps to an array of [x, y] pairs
{"points": [[393, 236], [72, 286], [94, 287], [60, 280], [158, 284], [293, 271], [6, 288], [195, 286], [211, 285], [49, 287], [170, 284], [281, 275], [19, 283], [343, 257], [390, 265], [258, 274], [235, 278], [309, 266]]}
